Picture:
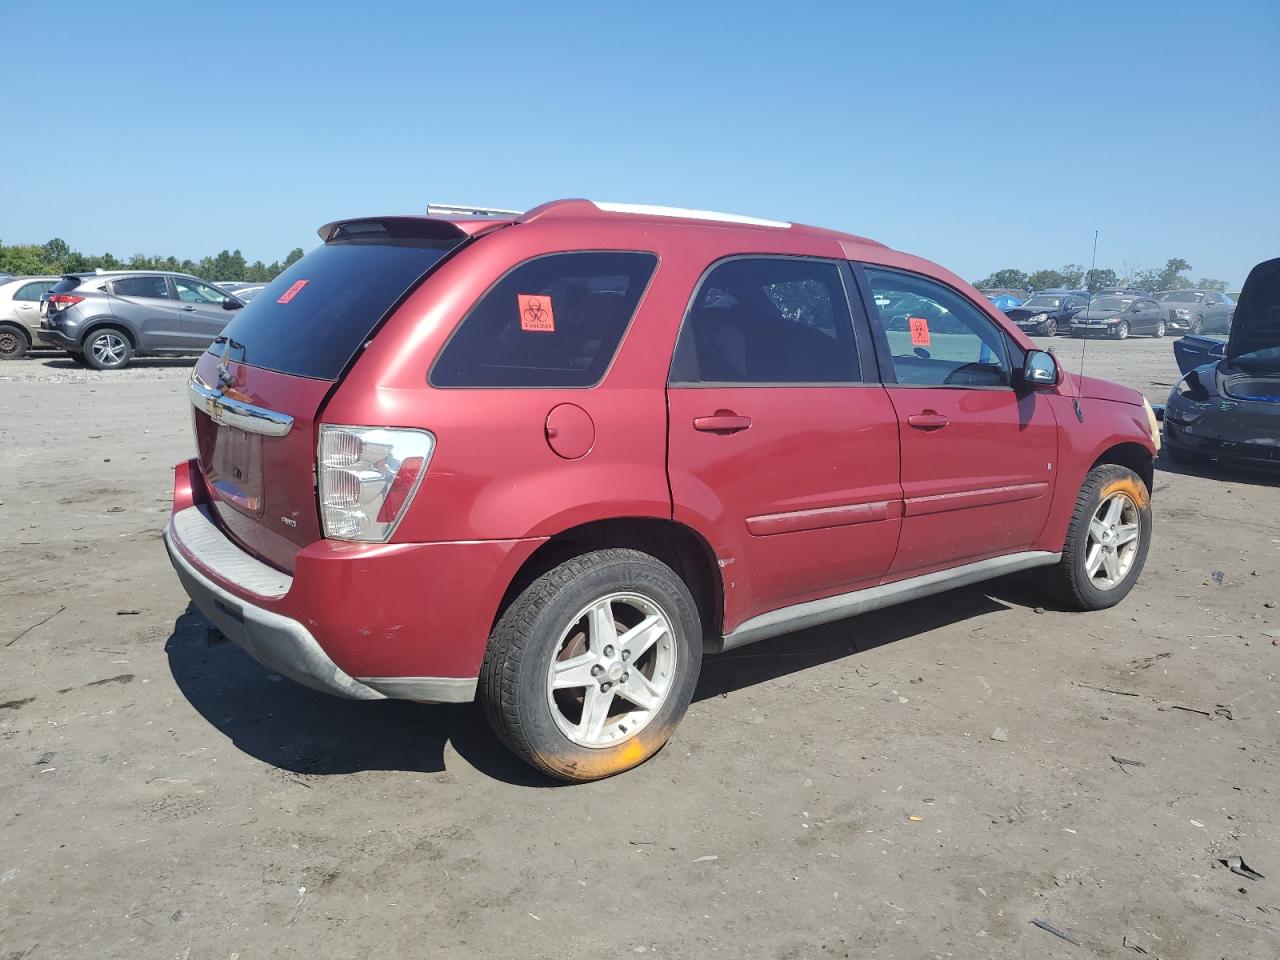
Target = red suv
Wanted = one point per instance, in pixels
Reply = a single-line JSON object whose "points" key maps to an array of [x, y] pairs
{"points": [[551, 459]]}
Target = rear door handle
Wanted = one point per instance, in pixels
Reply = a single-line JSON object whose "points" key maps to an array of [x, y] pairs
{"points": [[927, 421], [722, 421]]}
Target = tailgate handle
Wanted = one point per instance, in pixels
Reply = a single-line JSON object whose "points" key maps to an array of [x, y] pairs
{"points": [[722, 421], [236, 413]]}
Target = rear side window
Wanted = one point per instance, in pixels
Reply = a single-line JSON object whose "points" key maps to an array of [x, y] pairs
{"points": [[65, 285], [779, 320], [153, 288], [555, 321], [310, 320], [32, 291]]}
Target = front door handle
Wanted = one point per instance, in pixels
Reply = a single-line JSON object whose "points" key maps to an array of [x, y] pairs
{"points": [[927, 421], [189, 308], [722, 421]]}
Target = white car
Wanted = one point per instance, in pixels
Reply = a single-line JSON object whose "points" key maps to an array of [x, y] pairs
{"points": [[20, 313]]}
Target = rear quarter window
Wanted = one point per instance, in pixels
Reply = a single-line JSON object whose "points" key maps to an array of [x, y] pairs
{"points": [[554, 321]]}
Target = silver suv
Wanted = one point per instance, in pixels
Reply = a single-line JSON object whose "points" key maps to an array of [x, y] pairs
{"points": [[20, 313], [104, 320]]}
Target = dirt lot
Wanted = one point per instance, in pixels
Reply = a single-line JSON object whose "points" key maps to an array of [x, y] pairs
{"points": [[836, 793]]}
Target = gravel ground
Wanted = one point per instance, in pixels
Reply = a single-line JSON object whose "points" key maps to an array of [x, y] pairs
{"points": [[920, 782]]}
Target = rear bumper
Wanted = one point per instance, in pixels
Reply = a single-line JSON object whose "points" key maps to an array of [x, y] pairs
{"points": [[278, 642], [56, 338], [404, 621]]}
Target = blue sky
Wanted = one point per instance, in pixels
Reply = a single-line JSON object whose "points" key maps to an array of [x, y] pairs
{"points": [[978, 135]]}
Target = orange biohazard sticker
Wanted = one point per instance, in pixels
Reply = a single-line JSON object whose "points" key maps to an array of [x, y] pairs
{"points": [[536, 313], [293, 291], [919, 331]]}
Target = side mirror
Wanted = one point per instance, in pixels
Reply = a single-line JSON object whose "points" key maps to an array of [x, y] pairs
{"points": [[1040, 369], [231, 303]]}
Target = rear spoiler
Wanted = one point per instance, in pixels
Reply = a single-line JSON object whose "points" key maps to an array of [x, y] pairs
{"points": [[411, 228]]}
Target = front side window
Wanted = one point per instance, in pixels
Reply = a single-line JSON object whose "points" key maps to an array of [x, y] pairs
{"points": [[32, 291], [153, 288], [554, 321], [193, 291], [768, 320], [936, 337]]}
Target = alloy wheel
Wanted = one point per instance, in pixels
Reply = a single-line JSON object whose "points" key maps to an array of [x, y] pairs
{"points": [[612, 670], [1122, 331], [109, 349], [1114, 538]]}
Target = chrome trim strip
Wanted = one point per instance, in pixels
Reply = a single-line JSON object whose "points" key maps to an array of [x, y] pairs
{"points": [[236, 413], [815, 612]]}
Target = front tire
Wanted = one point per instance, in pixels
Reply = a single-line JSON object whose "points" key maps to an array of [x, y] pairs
{"points": [[591, 668], [1107, 540], [1051, 327], [13, 343], [1160, 329], [1122, 330], [107, 349]]}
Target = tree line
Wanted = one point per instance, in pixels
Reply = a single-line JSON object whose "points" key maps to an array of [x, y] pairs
{"points": [[1174, 275], [57, 257]]}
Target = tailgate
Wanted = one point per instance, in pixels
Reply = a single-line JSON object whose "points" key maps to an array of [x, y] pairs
{"points": [[258, 392]]}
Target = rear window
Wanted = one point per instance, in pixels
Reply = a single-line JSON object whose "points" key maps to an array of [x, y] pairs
{"points": [[310, 320], [65, 285], [555, 321]]}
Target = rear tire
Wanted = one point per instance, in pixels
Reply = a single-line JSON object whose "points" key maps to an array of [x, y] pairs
{"points": [[1107, 540], [108, 348], [568, 655], [14, 343]]}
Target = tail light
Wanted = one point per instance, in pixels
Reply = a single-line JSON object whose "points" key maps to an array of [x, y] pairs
{"points": [[64, 300], [367, 478]]}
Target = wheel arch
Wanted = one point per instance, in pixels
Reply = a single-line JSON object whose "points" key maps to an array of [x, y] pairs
{"points": [[1132, 455], [97, 323], [678, 546]]}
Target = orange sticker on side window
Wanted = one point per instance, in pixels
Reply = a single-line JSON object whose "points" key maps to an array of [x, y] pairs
{"points": [[293, 291], [919, 331], [535, 313]]}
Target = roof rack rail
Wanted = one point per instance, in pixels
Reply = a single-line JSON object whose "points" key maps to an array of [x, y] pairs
{"points": [[467, 210]]}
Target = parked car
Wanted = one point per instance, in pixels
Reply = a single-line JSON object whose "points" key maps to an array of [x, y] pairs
{"points": [[1048, 312], [1197, 311], [247, 293], [105, 319], [20, 313], [512, 458], [1004, 298], [1119, 315], [1229, 407]]}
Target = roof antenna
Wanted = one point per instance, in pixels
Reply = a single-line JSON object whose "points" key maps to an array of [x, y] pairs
{"points": [[1093, 263]]}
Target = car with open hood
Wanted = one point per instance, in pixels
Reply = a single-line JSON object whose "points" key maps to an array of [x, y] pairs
{"points": [[1119, 316], [1048, 312], [1197, 311], [1229, 407], [548, 460]]}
